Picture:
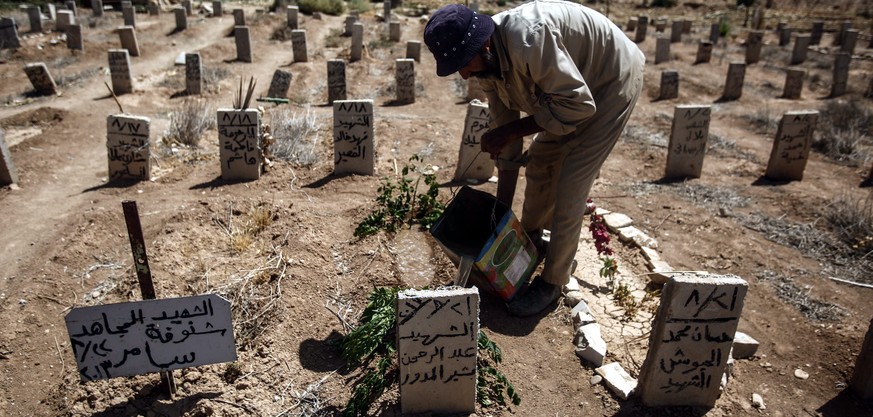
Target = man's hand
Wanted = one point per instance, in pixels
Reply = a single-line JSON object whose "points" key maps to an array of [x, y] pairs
{"points": [[494, 140]]}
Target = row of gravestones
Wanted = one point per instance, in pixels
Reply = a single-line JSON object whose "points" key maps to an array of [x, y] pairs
{"points": [[754, 44]]}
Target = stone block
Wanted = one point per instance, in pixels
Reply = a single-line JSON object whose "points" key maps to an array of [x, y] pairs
{"points": [[336, 80], [437, 337], [572, 285], [40, 78], [572, 298], [472, 163], [590, 344], [127, 144], [582, 318], [280, 84], [617, 379], [128, 40], [239, 137], [353, 141], [688, 138], [790, 150], [637, 236], [691, 338], [744, 346], [615, 221]]}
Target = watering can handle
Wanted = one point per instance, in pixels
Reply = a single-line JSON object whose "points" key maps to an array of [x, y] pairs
{"points": [[464, 268]]}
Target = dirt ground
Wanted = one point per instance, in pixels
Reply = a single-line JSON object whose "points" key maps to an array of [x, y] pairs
{"points": [[302, 274]]}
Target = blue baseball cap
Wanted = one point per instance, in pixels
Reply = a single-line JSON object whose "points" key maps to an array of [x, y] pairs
{"points": [[455, 34]]}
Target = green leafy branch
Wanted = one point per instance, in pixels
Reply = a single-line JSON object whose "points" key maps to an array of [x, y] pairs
{"points": [[371, 346], [400, 203]]}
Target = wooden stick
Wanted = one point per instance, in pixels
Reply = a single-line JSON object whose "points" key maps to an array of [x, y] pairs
{"points": [[114, 97], [845, 281]]}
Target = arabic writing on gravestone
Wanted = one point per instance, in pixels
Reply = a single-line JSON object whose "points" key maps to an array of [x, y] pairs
{"points": [[150, 336]]}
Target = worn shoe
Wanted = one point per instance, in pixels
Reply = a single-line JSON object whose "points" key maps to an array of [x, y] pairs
{"points": [[538, 296]]}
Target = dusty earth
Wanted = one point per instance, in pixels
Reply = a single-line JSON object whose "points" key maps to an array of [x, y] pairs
{"points": [[282, 248]]}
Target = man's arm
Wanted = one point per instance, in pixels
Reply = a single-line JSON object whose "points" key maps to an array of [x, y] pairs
{"points": [[495, 140]]}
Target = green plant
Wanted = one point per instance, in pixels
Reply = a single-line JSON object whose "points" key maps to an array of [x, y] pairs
{"points": [[331, 7], [724, 28], [372, 346], [360, 6], [400, 203]]}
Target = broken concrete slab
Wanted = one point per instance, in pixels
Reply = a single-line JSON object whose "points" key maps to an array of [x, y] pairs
{"points": [[590, 344], [617, 379], [615, 221], [744, 346]]}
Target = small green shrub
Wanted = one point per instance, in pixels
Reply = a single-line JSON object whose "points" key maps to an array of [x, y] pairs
{"points": [[400, 203], [331, 7]]}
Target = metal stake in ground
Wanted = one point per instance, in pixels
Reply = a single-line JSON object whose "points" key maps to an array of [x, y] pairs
{"points": [[143, 273]]}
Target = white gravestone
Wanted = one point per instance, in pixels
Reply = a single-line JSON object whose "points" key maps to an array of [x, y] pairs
{"points": [[134, 338], [34, 15], [353, 141], [336, 80], [790, 150], [127, 144], [8, 174], [473, 164], [119, 70], [181, 18], [243, 43], [292, 13], [128, 40], [662, 49], [688, 139], [669, 85], [129, 15], [65, 18], [801, 46], [691, 340], [754, 43], [793, 83], [394, 31], [404, 74], [437, 348], [239, 139], [9, 34]]}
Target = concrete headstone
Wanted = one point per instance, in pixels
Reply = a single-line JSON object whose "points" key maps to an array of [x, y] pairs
{"points": [[71, 6], [280, 84], [801, 46], [642, 28], [9, 34], [97, 8], [714, 32], [793, 83], [669, 85], [128, 13], [217, 10], [153, 9], [736, 76], [691, 340], [676, 30], [413, 50], [8, 174], [754, 43], [631, 24], [841, 74], [790, 150], [357, 50], [840, 36], [239, 138], [128, 40], [662, 50], [704, 52], [75, 37], [336, 80], [127, 143], [404, 75], [119, 69], [472, 163], [243, 43], [815, 34], [394, 31], [181, 18], [239, 17], [353, 141], [34, 15], [292, 13], [850, 39], [193, 74], [784, 36], [189, 7], [39, 76], [437, 348], [65, 18], [298, 45], [688, 138]]}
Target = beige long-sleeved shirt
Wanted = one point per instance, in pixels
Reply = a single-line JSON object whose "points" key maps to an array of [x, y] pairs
{"points": [[560, 62]]}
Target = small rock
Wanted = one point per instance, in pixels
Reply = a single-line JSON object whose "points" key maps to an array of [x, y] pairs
{"points": [[615, 221], [590, 344], [192, 376], [572, 298], [581, 318], [22, 302], [595, 379], [758, 401], [800, 373], [617, 379], [744, 346]]}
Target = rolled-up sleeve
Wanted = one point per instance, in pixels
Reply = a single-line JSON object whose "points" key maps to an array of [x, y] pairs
{"points": [[563, 98]]}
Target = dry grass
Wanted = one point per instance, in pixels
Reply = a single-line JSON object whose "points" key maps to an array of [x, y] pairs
{"points": [[189, 123], [852, 221], [295, 135], [242, 233], [843, 132], [800, 298]]}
